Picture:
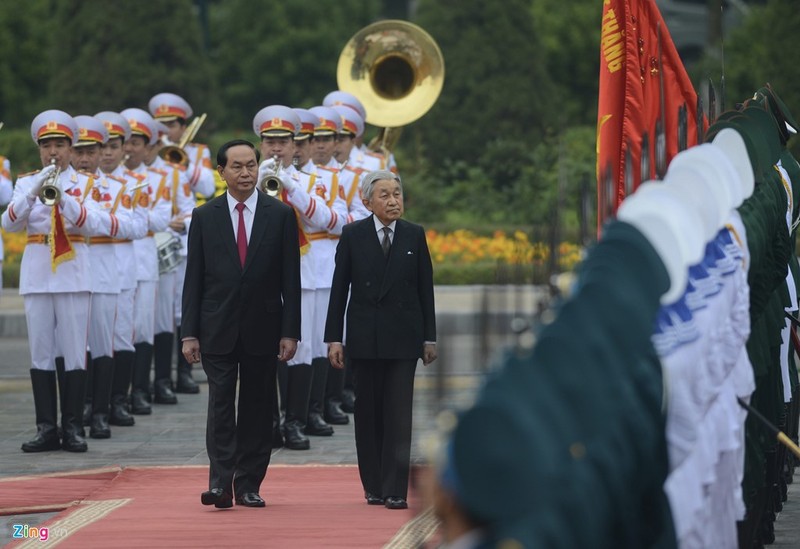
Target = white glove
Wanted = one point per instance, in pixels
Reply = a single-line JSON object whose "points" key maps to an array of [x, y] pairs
{"points": [[267, 167], [288, 183], [40, 179]]}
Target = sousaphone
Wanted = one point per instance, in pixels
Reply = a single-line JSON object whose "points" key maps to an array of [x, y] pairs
{"points": [[396, 70]]}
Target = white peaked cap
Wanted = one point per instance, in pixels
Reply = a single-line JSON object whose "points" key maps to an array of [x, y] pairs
{"points": [[673, 228], [730, 142], [142, 124]]}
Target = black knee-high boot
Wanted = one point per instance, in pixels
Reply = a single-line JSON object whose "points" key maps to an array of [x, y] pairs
{"points": [[121, 384], [140, 391], [316, 424], [87, 406], [333, 398], [102, 380], [298, 388], [162, 358], [44, 399], [72, 419]]}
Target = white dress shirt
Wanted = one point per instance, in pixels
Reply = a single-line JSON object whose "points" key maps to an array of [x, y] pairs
{"points": [[248, 212]]}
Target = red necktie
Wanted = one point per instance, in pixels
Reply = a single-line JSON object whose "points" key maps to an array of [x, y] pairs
{"points": [[241, 234]]}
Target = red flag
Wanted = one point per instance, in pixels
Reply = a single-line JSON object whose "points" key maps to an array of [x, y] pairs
{"points": [[60, 246], [302, 237], [641, 75]]}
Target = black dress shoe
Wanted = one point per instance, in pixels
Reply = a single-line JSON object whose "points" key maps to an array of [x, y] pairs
{"points": [[395, 503], [372, 499], [217, 497], [334, 415], [250, 499], [317, 426], [163, 392]]}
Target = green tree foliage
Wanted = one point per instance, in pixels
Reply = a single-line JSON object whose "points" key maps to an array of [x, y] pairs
{"points": [[275, 52], [570, 36], [114, 55], [496, 83], [26, 47], [757, 52]]}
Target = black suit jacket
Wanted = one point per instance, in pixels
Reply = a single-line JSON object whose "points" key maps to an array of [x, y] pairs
{"points": [[259, 303], [391, 310]]}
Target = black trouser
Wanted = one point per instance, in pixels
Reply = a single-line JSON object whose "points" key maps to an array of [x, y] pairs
{"points": [[383, 412], [239, 435]]}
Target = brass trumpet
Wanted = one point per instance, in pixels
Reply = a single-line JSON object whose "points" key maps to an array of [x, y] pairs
{"points": [[271, 183], [50, 193], [175, 153]]}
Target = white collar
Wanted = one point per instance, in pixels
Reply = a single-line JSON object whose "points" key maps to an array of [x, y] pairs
{"points": [[250, 203], [379, 226]]}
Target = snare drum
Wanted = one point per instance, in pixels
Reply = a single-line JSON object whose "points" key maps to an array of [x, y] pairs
{"points": [[168, 247]]}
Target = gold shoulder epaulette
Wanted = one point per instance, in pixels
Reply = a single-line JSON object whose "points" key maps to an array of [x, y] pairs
{"points": [[117, 179], [136, 175], [29, 173], [87, 174], [180, 167], [328, 168], [159, 171], [374, 154]]}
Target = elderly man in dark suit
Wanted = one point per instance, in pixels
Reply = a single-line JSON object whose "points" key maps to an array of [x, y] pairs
{"points": [[241, 313], [384, 264]]}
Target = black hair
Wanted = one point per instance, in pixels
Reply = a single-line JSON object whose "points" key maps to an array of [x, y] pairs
{"points": [[222, 154]]}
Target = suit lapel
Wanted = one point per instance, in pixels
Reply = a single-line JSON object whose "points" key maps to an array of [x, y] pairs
{"points": [[259, 227], [227, 234]]}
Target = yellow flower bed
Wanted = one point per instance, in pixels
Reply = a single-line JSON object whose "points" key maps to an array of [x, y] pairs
{"points": [[14, 244], [465, 247]]}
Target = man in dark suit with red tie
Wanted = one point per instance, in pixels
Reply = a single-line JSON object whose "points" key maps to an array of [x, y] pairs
{"points": [[384, 264], [241, 313]]}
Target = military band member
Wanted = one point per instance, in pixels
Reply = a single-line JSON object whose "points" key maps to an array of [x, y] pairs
{"points": [[112, 165], [323, 145], [174, 112], [340, 387], [6, 189], [55, 277], [277, 126], [107, 192], [154, 197], [174, 178], [371, 160]]}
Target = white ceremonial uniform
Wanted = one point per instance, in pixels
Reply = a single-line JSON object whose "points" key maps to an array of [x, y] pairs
{"points": [[200, 172], [6, 190], [324, 247], [181, 203], [200, 180], [64, 292], [126, 262], [308, 198], [107, 192], [158, 215]]}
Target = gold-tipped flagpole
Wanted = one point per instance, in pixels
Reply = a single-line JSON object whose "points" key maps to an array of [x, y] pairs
{"points": [[780, 435]]}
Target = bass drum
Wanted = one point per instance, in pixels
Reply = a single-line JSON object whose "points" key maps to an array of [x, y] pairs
{"points": [[168, 247]]}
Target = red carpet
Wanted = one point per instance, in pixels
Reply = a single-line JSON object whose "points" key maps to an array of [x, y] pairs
{"points": [[307, 507]]}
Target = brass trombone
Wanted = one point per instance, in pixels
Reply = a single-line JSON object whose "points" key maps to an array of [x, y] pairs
{"points": [[176, 153], [396, 70], [50, 193]]}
